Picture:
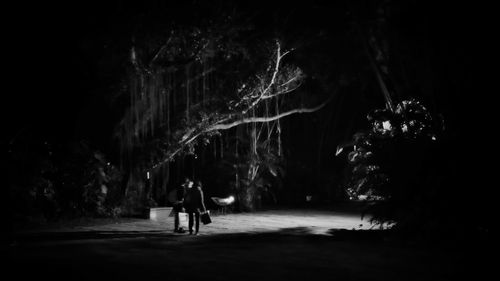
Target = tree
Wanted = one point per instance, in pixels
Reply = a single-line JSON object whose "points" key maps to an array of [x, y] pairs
{"points": [[197, 83], [403, 164], [388, 162]]}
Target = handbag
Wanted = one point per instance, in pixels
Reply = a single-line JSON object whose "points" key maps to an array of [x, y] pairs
{"points": [[183, 220], [205, 217]]}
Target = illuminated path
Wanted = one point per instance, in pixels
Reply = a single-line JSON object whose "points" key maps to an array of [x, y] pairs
{"points": [[316, 222]]}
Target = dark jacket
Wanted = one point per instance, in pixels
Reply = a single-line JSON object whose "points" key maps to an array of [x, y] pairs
{"points": [[194, 201], [180, 193]]}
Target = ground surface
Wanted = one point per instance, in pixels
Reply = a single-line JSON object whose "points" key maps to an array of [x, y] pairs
{"points": [[269, 245]]}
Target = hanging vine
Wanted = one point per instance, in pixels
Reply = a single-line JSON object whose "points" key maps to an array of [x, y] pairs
{"points": [[198, 84]]}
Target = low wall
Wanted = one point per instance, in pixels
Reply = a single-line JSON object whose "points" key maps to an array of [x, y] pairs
{"points": [[160, 214]]}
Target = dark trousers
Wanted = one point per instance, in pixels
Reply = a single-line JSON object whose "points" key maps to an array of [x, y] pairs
{"points": [[176, 220], [191, 222]]}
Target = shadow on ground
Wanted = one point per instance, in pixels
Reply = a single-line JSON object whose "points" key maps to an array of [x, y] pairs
{"points": [[335, 234], [88, 235], [287, 254]]}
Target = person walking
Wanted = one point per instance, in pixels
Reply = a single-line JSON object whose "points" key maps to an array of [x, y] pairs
{"points": [[194, 204], [177, 198]]}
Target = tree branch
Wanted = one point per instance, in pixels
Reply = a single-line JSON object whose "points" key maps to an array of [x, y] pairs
{"points": [[282, 92], [267, 119], [380, 80], [160, 51], [268, 87], [192, 134], [133, 59]]}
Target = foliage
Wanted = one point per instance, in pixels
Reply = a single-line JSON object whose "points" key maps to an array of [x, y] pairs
{"points": [[188, 84], [258, 174], [389, 163], [88, 184], [70, 182]]}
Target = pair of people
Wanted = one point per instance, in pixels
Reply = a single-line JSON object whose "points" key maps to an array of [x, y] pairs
{"points": [[191, 200]]}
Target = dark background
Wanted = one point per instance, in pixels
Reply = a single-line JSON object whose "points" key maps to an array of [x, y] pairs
{"points": [[65, 62]]}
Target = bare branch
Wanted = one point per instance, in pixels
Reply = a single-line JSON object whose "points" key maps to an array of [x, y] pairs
{"points": [[290, 80], [193, 134], [380, 80], [201, 75], [133, 59], [267, 119], [282, 92], [160, 51], [279, 56]]}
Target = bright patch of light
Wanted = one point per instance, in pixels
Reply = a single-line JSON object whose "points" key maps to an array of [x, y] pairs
{"points": [[387, 125], [372, 168], [339, 150], [223, 201], [147, 175], [404, 128]]}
